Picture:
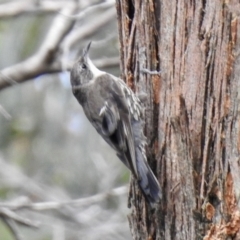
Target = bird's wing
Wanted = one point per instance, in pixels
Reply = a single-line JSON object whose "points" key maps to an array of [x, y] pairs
{"points": [[133, 102], [115, 124]]}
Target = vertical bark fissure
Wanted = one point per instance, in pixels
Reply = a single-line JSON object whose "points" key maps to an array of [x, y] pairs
{"points": [[174, 38], [201, 19], [208, 108]]}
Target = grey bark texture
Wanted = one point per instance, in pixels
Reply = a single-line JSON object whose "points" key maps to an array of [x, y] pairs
{"points": [[192, 114]]}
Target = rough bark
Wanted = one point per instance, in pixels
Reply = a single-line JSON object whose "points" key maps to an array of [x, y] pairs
{"points": [[192, 113]]}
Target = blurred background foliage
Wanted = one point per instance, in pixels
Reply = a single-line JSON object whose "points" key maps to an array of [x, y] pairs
{"points": [[48, 150]]}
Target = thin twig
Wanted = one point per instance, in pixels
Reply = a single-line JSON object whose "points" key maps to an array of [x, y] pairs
{"points": [[145, 70], [7, 213]]}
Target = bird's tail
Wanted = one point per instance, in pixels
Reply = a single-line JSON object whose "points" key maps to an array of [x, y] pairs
{"points": [[148, 183]]}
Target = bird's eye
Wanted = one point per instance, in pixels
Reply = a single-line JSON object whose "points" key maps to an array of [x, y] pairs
{"points": [[84, 66]]}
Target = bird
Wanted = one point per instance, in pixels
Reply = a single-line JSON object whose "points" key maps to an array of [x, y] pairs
{"points": [[116, 113]]}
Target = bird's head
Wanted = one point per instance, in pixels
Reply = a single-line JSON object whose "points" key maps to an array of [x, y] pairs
{"points": [[81, 72], [84, 70]]}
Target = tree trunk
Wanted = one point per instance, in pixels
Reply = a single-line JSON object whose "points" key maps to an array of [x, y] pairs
{"points": [[192, 114]]}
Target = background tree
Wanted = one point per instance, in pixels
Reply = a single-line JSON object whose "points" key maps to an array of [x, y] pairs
{"points": [[192, 113]]}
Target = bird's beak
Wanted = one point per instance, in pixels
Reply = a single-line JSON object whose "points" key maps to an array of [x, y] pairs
{"points": [[86, 49]]}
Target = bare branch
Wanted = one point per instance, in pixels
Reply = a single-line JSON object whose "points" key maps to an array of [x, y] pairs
{"points": [[85, 31], [7, 213], [92, 8], [46, 59], [42, 61], [89, 28], [23, 72], [17, 8], [83, 202], [12, 177], [99, 63]]}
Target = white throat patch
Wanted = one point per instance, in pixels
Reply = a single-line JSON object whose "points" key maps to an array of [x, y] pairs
{"points": [[96, 72]]}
